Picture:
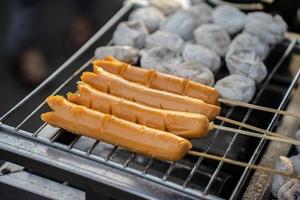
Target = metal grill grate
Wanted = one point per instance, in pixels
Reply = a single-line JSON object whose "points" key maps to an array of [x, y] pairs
{"points": [[197, 177]]}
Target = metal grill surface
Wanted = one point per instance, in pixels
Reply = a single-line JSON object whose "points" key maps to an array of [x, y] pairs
{"points": [[196, 177]]}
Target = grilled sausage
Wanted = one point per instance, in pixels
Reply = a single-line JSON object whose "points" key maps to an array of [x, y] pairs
{"points": [[115, 85], [187, 125], [137, 138], [160, 81]]}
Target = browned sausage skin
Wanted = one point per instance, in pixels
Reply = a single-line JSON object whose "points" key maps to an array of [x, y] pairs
{"points": [[160, 81], [115, 85], [187, 125], [137, 138]]}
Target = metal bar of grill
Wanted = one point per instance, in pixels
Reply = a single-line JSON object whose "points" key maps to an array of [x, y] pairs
{"points": [[92, 148], [206, 149], [165, 179], [126, 163], [266, 82], [270, 127]]}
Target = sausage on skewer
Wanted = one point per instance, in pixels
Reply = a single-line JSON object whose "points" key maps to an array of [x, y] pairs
{"points": [[137, 138], [187, 125], [115, 85], [160, 81]]}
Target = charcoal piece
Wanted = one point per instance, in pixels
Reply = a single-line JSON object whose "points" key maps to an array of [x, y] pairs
{"points": [[229, 17], [151, 16], [202, 55], [246, 41], [282, 164], [201, 13], [290, 190], [166, 69], [169, 7], [236, 87], [195, 72], [132, 33], [126, 54], [267, 28], [165, 39], [247, 63], [213, 37], [160, 59], [296, 163], [180, 23]]}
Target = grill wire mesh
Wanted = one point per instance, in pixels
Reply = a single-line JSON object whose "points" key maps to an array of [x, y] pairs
{"points": [[195, 176]]}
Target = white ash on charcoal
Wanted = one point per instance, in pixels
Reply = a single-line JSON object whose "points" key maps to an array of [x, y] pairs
{"points": [[202, 55], [165, 39], [290, 190], [160, 59], [229, 17], [195, 72], [214, 37], [151, 16], [246, 41], [166, 69], [282, 164], [201, 13], [126, 54], [296, 163], [236, 87], [131, 33], [180, 23], [169, 7], [267, 28], [247, 63], [283, 187]]}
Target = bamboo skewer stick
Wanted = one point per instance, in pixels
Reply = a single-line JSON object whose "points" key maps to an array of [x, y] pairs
{"points": [[253, 128], [253, 134], [256, 107], [242, 6], [242, 164]]}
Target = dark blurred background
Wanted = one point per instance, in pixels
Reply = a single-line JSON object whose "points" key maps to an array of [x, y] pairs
{"points": [[37, 36]]}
